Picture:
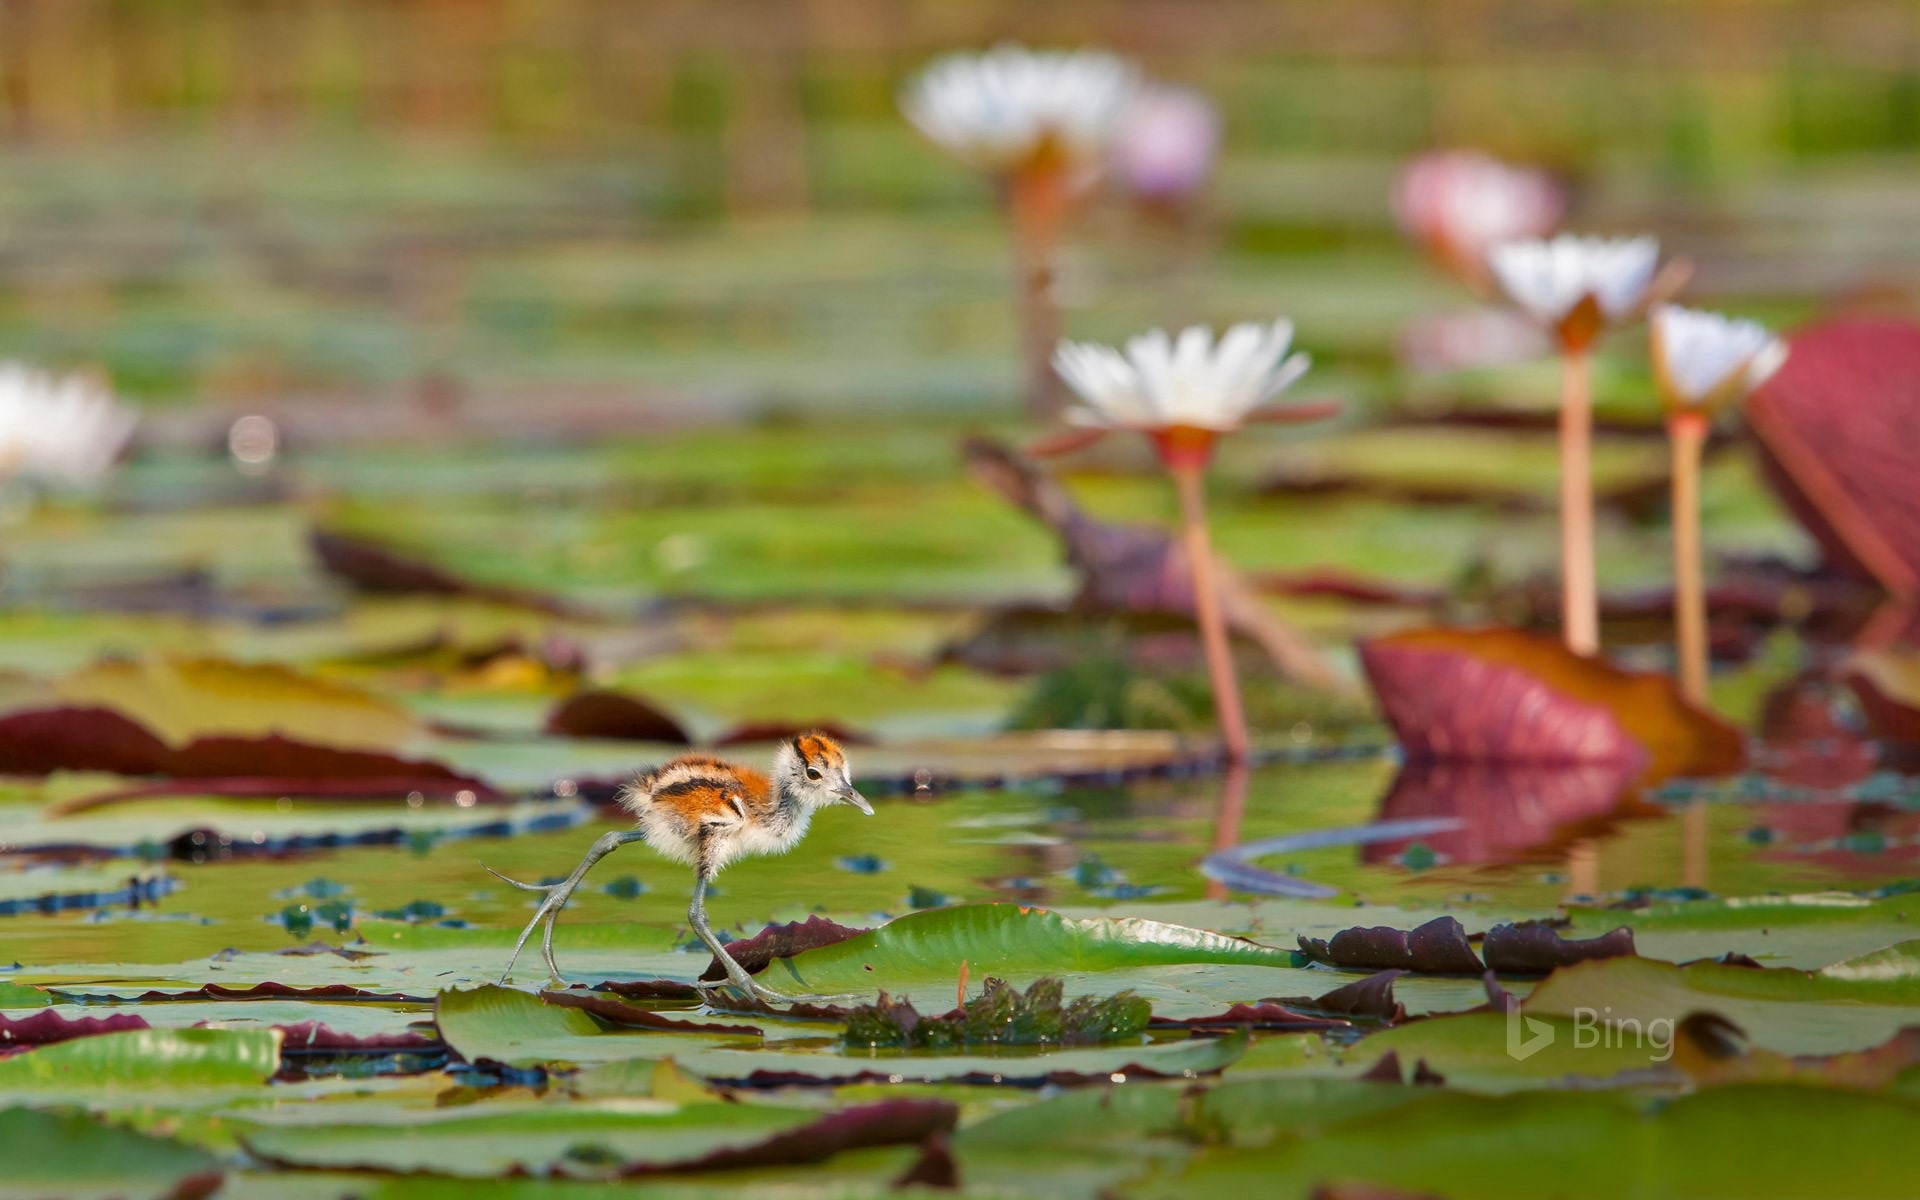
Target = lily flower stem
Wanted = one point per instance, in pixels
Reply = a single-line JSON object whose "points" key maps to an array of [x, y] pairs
{"points": [[1579, 599], [1037, 198], [1198, 547], [1688, 434]]}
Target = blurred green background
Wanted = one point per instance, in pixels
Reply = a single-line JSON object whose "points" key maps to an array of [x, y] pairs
{"points": [[680, 209]]}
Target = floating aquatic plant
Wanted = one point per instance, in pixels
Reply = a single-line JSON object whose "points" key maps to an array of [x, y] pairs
{"points": [[1002, 1015]]}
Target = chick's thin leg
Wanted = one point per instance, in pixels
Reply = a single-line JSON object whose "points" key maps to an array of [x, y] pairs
{"points": [[557, 895], [736, 974]]}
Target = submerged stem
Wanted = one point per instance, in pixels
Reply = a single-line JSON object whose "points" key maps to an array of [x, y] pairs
{"points": [[1198, 546], [1579, 599]]}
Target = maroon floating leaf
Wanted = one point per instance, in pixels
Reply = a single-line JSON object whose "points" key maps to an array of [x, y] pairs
{"points": [[1533, 948], [615, 716], [650, 989], [780, 941], [1370, 998], [934, 1168], [616, 1012], [377, 569], [888, 1123], [1839, 431], [41, 741], [46, 1027], [1438, 947], [1270, 1015], [1507, 696], [266, 991], [1387, 1070]]}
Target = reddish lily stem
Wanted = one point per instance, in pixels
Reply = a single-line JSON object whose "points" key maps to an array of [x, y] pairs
{"points": [[1198, 545], [1037, 198], [1579, 599], [1688, 431]]}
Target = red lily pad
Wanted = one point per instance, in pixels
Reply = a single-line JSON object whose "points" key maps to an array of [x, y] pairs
{"points": [[616, 716], [1506, 696], [1268, 1015], [1839, 432]]}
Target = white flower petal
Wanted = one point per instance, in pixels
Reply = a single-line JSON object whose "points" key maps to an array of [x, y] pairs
{"points": [[1701, 352], [994, 110], [59, 429], [1549, 278], [1163, 380]]}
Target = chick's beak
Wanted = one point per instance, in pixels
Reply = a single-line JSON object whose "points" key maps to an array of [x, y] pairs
{"points": [[848, 796]]}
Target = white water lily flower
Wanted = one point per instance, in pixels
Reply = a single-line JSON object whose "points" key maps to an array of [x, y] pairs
{"points": [[1702, 358], [59, 429], [1551, 280], [1462, 203], [1000, 109], [1162, 382]]}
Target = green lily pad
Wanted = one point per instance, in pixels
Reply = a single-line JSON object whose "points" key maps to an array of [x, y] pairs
{"points": [[1191, 1058], [70, 1154], [1806, 929], [1010, 941], [15, 996], [522, 1030], [528, 1137], [146, 1059], [1750, 1143], [1848, 1006], [1476, 1050]]}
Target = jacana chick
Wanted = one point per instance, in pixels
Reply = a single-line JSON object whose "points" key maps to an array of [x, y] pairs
{"points": [[706, 813]]}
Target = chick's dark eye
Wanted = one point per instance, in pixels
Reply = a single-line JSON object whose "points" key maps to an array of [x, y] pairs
{"points": [[813, 772]]}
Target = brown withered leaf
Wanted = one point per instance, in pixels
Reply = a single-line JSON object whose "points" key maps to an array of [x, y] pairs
{"points": [[1138, 569]]}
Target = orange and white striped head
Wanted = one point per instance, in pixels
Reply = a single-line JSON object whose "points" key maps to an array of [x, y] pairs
{"points": [[813, 768]]}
